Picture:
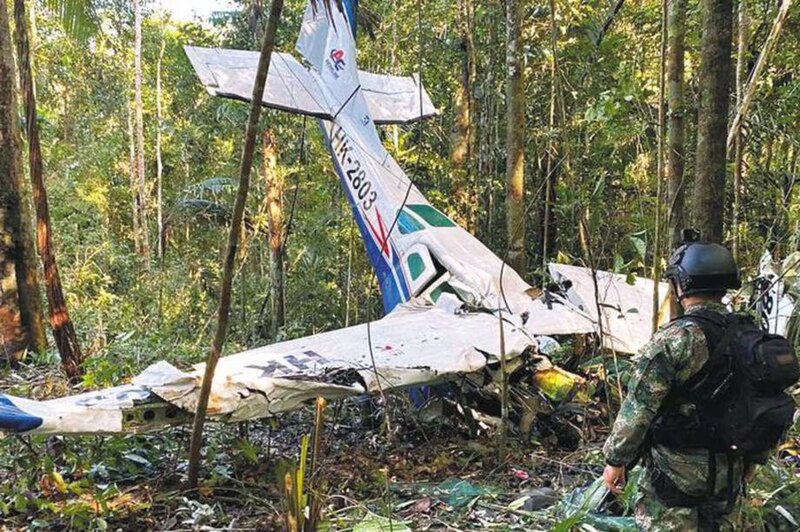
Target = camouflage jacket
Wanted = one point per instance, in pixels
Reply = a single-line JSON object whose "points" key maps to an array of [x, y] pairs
{"points": [[675, 353]]}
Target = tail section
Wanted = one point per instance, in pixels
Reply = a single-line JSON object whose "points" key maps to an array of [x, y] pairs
{"points": [[415, 249]]}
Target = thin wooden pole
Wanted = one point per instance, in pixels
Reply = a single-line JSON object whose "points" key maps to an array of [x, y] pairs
{"points": [[662, 131], [763, 59], [233, 238]]}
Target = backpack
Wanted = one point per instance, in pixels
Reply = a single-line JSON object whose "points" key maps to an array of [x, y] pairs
{"points": [[736, 404]]}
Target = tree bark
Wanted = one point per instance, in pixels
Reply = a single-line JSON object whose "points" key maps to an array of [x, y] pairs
{"points": [[712, 118], [12, 199], [462, 137], [515, 131], [676, 187], [233, 238], [63, 330], [141, 192], [13, 337], [137, 246], [743, 28], [277, 233]]}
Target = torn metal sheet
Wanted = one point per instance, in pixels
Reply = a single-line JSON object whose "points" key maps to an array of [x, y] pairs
{"points": [[409, 347], [627, 309]]}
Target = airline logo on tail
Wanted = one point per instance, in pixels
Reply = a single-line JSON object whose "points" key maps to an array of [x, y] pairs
{"points": [[337, 60]]}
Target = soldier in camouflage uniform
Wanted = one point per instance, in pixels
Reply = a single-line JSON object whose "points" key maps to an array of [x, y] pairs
{"points": [[699, 274]]}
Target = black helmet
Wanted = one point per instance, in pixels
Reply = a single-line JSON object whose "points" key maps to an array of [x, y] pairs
{"points": [[702, 267]]}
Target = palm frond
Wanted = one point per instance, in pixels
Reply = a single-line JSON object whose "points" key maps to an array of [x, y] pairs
{"points": [[78, 17], [212, 185]]}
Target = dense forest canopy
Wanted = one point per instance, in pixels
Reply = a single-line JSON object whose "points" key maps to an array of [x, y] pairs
{"points": [[571, 130]]}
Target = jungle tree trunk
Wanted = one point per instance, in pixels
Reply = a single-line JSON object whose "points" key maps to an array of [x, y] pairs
{"points": [[549, 227], [712, 118], [742, 30], [515, 131], [485, 144], [17, 216], [462, 138], [137, 246], [141, 192], [277, 234], [761, 63], [233, 239], [676, 188], [63, 330], [660, 169], [13, 338], [159, 162]]}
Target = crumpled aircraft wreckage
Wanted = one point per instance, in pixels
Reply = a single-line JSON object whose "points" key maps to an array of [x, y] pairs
{"points": [[445, 294]]}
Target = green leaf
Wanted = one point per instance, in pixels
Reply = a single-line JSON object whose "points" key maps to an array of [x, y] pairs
{"points": [[619, 263], [248, 450], [78, 17], [639, 245]]}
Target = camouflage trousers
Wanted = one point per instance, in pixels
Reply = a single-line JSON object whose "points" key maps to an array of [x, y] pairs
{"points": [[652, 515]]}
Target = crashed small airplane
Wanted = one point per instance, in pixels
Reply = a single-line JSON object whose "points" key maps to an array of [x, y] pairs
{"points": [[445, 294]]}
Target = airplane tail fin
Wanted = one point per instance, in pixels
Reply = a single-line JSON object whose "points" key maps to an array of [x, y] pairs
{"points": [[415, 249]]}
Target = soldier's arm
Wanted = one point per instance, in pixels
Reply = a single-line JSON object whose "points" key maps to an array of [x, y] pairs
{"points": [[647, 388]]}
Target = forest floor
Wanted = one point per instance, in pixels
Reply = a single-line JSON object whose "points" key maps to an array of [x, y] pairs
{"points": [[427, 473]]}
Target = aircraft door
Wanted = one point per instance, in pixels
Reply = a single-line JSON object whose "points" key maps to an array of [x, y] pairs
{"points": [[419, 268]]}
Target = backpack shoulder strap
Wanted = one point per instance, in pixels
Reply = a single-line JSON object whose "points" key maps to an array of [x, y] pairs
{"points": [[719, 330]]}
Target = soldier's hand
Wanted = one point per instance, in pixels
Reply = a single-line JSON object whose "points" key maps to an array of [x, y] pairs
{"points": [[614, 478]]}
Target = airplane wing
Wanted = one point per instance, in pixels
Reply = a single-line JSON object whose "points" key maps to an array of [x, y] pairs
{"points": [[410, 347], [627, 309], [290, 86]]}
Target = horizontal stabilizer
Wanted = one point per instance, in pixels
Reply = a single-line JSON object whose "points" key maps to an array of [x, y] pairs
{"points": [[291, 87]]}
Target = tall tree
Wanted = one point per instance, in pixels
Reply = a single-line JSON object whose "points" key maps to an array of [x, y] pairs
{"points": [[714, 79], [549, 226], [141, 189], [515, 131], [17, 211], [132, 180], [159, 162], [761, 63], [273, 178], [223, 311], [742, 30], [13, 340], [63, 330], [676, 189], [462, 138], [660, 170]]}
